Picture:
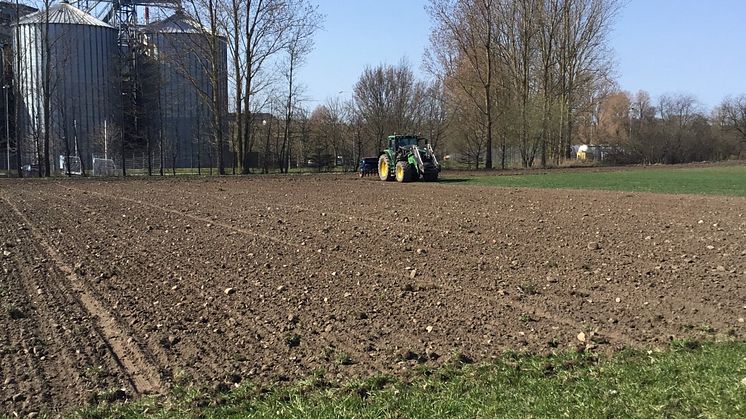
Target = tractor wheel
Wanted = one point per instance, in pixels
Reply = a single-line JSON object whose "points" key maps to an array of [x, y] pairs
{"points": [[384, 168], [404, 172], [430, 177]]}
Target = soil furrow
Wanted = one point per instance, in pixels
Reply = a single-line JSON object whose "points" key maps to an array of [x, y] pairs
{"points": [[144, 378]]}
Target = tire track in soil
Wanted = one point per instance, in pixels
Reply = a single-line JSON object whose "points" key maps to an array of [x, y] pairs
{"points": [[21, 369], [340, 338], [521, 306], [62, 346], [102, 297], [143, 377], [207, 346]]}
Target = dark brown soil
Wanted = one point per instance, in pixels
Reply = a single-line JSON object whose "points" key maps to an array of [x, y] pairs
{"points": [[141, 284]]}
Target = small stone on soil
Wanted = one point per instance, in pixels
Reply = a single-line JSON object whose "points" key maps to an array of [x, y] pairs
{"points": [[229, 291], [413, 273], [581, 337], [593, 246]]}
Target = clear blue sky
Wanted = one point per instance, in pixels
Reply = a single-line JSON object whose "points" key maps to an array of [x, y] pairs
{"points": [[662, 46]]}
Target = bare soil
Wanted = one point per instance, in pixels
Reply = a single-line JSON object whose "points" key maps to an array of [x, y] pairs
{"points": [[141, 284]]}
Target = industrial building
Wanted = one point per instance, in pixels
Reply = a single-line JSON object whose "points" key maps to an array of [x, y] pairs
{"points": [[114, 87]]}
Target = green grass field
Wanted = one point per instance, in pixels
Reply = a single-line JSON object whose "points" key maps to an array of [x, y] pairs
{"points": [[686, 380], [724, 180]]}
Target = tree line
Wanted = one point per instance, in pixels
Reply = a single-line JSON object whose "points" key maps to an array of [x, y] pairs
{"points": [[507, 81]]}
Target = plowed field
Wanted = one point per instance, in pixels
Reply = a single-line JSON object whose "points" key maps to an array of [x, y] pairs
{"points": [[140, 284]]}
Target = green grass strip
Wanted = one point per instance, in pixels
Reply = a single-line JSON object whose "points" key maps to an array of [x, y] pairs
{"points": [[728, 180], [687, 380]]}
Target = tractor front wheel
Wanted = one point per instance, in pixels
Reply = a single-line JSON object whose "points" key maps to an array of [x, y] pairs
{"points": [[384, 168], [404, 172]]}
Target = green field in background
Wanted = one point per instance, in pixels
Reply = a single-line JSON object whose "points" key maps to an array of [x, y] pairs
{"points": [[726, 180]]}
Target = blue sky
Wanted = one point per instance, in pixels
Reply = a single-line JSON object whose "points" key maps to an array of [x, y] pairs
{"points": [[662, 46]]}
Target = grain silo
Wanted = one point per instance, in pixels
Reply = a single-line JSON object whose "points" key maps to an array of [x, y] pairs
{"points": [[180, 46], [82, 84]]}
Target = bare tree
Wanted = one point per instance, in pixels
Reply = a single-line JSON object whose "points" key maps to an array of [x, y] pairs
{"points": [[265, 27], [517, 50], [388, 99], [583, 53], [533, 65], [677, 114], [209, 46], [435, 113], [732, 115], [548, 23], [297, 47], [464, 35]]}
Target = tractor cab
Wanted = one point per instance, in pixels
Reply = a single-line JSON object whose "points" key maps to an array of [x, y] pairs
{"points": [[397, 141]]}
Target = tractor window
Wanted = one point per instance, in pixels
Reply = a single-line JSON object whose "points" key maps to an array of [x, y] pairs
{"points": [[408, 141]]}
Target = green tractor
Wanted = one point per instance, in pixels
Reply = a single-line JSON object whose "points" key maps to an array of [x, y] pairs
{"points": [[408, 158]]}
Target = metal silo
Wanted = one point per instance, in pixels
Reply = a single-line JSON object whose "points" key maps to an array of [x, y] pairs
{"points": [[82, 82], [179, 45]]}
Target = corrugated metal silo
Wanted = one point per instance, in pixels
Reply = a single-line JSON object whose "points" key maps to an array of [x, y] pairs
{"points": [[83, 57], [180, 46]]}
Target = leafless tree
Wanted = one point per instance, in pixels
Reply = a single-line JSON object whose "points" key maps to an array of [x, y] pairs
{"points": [[266, 26], [732, 115], [208, 44], [299, 44], [435, 117], [464, 35], [677, 113], [532, 65], [387, 99]]}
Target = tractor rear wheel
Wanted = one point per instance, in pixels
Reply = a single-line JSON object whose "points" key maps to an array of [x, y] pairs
{"points": [[404, 172], [384, 168], [430, 177]]}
